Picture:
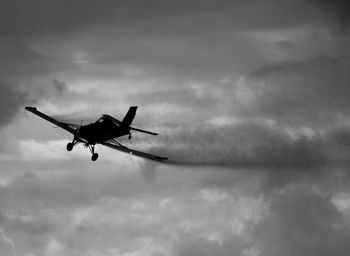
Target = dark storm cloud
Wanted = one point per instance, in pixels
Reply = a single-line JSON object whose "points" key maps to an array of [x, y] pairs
{"points": [[294, 115], [10, 102], [340, 9], [290, 115], [311, 94], [179, 40], [302, 222], [185, 98], [18, 60], [21, 223], [203, 57], [305, 93], [299, 221], [53, 90], [37, 17], [291, 118], [40, 17], [13, 98], [60, 87]]}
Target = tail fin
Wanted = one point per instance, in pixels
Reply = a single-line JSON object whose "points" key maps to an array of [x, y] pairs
{"points": [[129, 116]]}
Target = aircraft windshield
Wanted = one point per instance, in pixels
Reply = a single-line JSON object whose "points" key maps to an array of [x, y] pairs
{"points": [[100, 120]]}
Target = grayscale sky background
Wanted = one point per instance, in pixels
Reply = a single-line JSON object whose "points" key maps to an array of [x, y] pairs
{"points": [[251, 100]]}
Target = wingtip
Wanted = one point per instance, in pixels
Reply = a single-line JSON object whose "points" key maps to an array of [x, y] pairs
{"points": [[30, 108], [161, 158]]}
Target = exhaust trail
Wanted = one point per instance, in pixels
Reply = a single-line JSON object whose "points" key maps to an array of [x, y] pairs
{"points": [[243, 145]]}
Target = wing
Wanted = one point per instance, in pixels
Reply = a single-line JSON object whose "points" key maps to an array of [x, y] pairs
{"points": [[122, 148], [68, 127]]}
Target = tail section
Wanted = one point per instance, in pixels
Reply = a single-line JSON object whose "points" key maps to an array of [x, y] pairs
{"points": [[129, 117]]}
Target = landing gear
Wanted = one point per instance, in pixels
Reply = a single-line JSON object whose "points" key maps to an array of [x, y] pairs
{"points": [[70, 145], [94, 156], [129, 136], [92, 150], [75, 141]]}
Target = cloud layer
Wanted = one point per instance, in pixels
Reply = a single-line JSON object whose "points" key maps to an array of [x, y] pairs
{"points": [[250, 99]]}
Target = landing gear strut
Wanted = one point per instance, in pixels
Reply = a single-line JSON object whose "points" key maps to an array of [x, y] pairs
{"points": [[94, 155]]}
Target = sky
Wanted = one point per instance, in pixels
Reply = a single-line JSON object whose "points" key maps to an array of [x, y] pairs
{"points": [[251, 102]]}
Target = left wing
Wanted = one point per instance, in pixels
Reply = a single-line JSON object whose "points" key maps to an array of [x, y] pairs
{"points": [[122, 148], [68, 127]]}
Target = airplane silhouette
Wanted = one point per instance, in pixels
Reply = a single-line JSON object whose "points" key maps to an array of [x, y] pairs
{"points": [[104, 131]]}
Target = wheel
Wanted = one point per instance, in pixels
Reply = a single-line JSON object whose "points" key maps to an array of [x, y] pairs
{"points": [[129, 136], [94, 156], [70, 146]]}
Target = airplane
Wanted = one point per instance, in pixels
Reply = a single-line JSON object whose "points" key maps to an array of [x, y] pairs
{"points": [[104, 131]]}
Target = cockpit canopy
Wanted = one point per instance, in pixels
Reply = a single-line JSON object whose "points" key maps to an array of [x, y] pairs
{"points": [[101, 120]]}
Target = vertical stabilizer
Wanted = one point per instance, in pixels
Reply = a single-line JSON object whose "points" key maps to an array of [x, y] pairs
{"points": [[129, 116]]}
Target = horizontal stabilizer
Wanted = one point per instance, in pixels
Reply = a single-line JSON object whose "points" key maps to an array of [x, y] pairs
{"points": [[144, 131]]}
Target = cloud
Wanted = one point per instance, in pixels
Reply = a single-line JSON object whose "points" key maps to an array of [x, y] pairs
{"points": [[194, 247], [339, 9], [302, 222], [250, 99], [306, 93], [284, 115], [184, 211], [20, 60], [10, 102], [54, 91], [163, 39], [46, 17], [8, 241], [54, 248], [14, 97]]}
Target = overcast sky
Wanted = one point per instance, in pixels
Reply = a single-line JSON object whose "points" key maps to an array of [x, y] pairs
{"points": [[251, 101]]}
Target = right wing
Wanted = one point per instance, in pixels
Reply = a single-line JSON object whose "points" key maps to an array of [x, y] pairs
{"points": [[122, 148], [68, 127]]}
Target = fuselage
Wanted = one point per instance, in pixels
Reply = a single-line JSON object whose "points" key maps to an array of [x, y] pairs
{"points": [[100, 131]]}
